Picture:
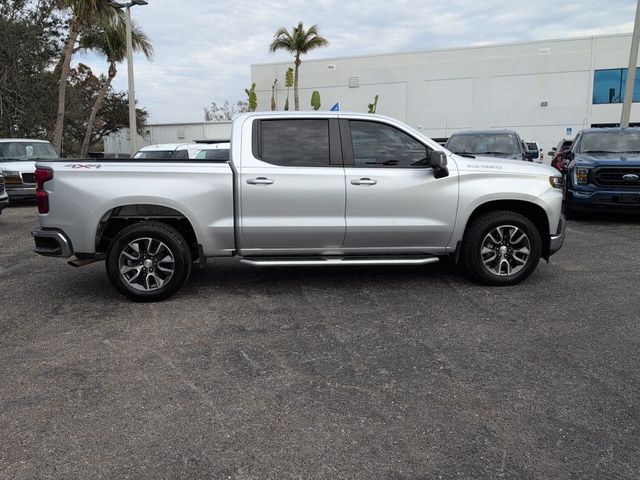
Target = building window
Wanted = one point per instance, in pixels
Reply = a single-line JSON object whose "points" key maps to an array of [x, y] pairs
{"points": [[609, 86]]}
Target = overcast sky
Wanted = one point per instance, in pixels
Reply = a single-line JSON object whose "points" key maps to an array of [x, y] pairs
{"points": [[204, 48]]}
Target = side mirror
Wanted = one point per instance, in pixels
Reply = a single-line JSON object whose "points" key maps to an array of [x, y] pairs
{"points": [[438, 161], [568, 155], [551, 153]]}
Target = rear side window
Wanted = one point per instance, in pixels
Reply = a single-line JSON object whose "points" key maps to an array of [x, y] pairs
{"points": [[295, 143], [181, 155], [221, 154], [156, 155], [380, 145]]}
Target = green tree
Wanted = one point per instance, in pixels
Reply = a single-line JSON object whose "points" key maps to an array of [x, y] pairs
{"points": [[30, 40], [273, 95], [252, 97], [288, 79], [83, 14], [315, 100], [109, 39], [298, 42], [373, 106], [82, 90]]}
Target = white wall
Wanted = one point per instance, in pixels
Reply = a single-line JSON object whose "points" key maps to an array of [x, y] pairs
{"points": [[440, 92]]}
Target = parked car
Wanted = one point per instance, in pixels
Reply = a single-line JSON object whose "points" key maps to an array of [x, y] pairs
{"points": [[4, 198], [604, 171], [505, 144], [534, 152], [18, 165], [182, 151], [302, 189], [217, 151], [557, 154]]}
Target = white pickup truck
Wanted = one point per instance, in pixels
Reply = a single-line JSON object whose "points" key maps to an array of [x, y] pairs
{"points": [[301, 189]]}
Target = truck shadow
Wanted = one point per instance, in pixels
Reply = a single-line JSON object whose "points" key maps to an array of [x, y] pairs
{"points": [[230, 276]]}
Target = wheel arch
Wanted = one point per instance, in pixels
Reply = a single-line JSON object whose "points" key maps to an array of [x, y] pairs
{"points": [[118, 218], [532, 211]]}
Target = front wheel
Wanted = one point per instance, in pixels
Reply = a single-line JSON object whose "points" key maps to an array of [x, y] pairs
{"points": [[148, 261], [501, 248]]}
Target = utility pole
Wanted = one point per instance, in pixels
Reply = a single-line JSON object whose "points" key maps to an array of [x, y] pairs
{"points": [[631, 72], [133, 127]]}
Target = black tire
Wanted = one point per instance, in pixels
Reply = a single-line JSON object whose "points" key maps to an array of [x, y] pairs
{"points": [[478, 232], [152, 282]]}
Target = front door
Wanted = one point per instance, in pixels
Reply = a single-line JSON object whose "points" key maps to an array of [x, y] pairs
{"points": [[394, 202], [292, 187]]}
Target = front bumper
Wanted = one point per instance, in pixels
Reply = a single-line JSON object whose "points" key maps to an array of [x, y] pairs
{"points": [[557, 240], [23, 192], [602, 199], [52, 243]]}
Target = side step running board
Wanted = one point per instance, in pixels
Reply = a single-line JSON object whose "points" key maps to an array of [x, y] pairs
{"points": [[304, 262]]}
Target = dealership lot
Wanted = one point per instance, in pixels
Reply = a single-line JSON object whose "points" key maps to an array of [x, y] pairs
{"points": [[395, 372]]}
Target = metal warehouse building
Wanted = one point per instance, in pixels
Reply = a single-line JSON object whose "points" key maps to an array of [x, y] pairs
{"points": [[169, 133], [546, 90]]}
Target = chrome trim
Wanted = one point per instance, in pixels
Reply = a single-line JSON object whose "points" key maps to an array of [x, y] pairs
{"points": [[332, 262], [63, 249], [556, 241]]}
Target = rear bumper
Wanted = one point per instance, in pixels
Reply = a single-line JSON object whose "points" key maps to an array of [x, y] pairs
{"points": [[557, 240], [21, 192], [52, 243]]}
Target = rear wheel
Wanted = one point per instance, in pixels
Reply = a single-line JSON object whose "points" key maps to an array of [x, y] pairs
{"points": [[148, 261], [501, 248]]}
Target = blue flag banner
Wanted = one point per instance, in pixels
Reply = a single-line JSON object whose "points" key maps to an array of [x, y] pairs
{"points": [[335, 108]]}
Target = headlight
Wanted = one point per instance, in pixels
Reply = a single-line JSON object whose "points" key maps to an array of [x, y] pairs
{"points": [[556, 182], [10, 173], [581, 176]]}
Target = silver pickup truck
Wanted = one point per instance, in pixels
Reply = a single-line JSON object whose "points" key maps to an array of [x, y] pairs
{"points": [[301, 189]]}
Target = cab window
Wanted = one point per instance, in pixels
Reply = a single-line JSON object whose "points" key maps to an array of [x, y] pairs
{"points": [[380, 145]]}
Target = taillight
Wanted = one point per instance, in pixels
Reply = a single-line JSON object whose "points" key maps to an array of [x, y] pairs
{"points": [[43, 175]]}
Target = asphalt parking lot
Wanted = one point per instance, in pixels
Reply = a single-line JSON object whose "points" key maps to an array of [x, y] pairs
{"points": [[395, 372]]}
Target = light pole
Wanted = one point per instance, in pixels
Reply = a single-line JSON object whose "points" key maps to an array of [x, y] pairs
{"points": [[133, 127], [631, 73]]}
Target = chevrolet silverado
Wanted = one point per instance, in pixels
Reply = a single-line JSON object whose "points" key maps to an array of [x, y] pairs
{"points": [[301, 189]]}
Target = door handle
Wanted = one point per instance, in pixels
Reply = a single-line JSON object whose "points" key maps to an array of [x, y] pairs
{"points": [[260, 181], [364, 181]]}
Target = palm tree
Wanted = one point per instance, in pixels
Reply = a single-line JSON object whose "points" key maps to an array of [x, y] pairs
{"points": [[110, 40], [298, 42], [83, 14]]}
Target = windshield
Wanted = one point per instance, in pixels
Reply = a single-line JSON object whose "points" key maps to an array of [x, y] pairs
{"points": [[156, 154], [485, 144], [26, 151], [221, 154], [610, 142]]}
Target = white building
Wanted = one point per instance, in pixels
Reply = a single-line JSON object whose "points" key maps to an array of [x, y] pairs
{"points": [[168, 133], [546, 90]]}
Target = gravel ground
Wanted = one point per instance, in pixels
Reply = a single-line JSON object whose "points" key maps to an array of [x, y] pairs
{"points": [[391, 373]]}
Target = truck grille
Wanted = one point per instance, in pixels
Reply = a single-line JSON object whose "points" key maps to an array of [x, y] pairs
{"points": [[614, 176], [29, 177]]}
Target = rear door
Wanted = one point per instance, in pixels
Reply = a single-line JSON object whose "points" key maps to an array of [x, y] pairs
{"points": [[292, 187], [394, 201]]}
